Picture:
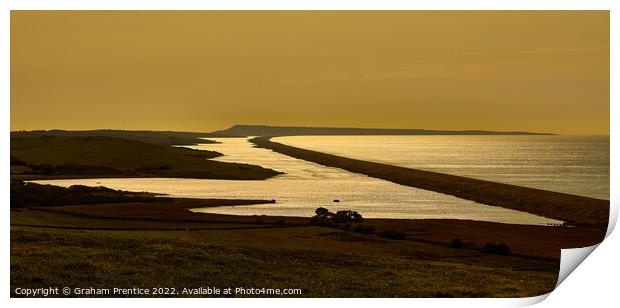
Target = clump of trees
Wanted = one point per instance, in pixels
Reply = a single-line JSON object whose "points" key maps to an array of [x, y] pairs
{"points": [[342, 219], [350, 221]]}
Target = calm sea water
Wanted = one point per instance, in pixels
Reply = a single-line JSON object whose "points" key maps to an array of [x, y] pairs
{"points": [[576, 165], [306, 186]]}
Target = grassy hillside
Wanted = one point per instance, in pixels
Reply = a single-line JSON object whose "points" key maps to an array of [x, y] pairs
{"points": [[55, 249], [93, 156], [182, 259], [26, 194], [156, 137], [163, 244]]}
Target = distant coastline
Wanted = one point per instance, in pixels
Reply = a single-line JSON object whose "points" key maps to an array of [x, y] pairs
{"points": [[266, 130]]}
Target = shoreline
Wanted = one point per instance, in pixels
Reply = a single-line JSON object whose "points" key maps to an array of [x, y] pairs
{"points": [[572, 209]]}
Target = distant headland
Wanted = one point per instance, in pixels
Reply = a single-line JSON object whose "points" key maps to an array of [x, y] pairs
{"points": [[265, 130]]}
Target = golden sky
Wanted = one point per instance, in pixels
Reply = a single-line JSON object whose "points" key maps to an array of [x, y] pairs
{"points": [[203, 71]]}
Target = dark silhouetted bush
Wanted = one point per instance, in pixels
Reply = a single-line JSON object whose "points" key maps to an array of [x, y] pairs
{"points": [[259, 221], [321, 211], [503, 249], [492, 248], [326, 218], [395, 235], [280, 221], [348, 216], [489, 248], [457, 243], [323, 221]]}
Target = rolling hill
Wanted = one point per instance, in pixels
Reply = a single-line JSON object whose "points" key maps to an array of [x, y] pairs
{"points": [[156, 137], [35, 156]]}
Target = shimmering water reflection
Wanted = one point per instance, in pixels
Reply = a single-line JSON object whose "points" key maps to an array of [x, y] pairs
{"points": [[577, 165], [306, 186]]}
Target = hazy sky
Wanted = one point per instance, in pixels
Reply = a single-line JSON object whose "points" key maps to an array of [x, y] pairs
{"points": [[202, 71]]}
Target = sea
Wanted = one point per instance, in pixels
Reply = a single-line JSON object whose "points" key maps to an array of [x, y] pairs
{"points": [[577, 165], [571, 164]]}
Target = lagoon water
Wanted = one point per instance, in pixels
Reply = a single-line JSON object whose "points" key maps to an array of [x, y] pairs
{"points": [[306, 186], [577, 165]]}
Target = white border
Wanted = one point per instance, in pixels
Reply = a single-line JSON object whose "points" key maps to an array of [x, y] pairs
{"points": [[595, 280]]}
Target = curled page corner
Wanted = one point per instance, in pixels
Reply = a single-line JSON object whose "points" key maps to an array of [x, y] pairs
{"points": [[613, 216], [571, 258], [569, 261], [530, 301]]}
